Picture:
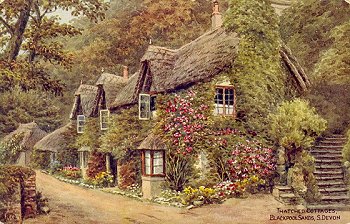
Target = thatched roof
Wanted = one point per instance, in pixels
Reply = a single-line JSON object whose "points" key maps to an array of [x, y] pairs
{"points": [[166, 70], [111, 84], [55, 141], [85, 100], [31, 135], [152, 142]]}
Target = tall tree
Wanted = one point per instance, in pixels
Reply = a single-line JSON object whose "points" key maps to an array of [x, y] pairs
{"points": [[28, 26]]}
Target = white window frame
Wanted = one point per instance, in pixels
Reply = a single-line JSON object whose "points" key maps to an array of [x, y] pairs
{"points": [[225, 108], [147, 106], [80, 127], [153, 163], [102, 123]]}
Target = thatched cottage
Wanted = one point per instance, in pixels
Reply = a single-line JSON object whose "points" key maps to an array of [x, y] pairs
{"points": [[55, 141], [164, 70], [31, 135]]}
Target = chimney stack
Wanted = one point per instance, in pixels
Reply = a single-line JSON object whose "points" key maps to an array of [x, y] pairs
{"points": [[216, 17], [125, 72]]}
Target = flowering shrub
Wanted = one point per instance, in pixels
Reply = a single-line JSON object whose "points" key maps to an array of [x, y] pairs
{"points": [[103, 179], [198, 196], [184, 123], [71, 172], [251, 161]]}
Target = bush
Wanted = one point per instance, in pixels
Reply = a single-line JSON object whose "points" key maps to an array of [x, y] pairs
{"points": [[346, 149], [302, 179], [96, 164], [128, 175], [103, 179], [295, 126], [10, 149], [40, 159], [198, 196], [70, 172]]}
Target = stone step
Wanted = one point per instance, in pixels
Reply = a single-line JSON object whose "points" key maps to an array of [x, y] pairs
{"points": [[289, 198], [323, 184], [331, 177], [331, 142], [333, 190], [336, 198], [329, 147], [327, 166], [327, 161], [335, 139], [328, 172], [316, 152], [328, 156]]}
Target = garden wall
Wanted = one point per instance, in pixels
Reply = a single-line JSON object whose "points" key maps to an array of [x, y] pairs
{"points": [[18, 201]]}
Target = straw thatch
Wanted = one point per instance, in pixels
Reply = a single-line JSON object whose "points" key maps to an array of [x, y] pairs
{"points": [[166, 70], [111, 85], [152, 142], [85, 100], [31, 135], [55, 141]]}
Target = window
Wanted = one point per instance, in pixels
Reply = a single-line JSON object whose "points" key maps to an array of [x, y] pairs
{"points": [[153, 163], [147, 104], [80, 123], [224, 101], [84, 158], [104, 115]]}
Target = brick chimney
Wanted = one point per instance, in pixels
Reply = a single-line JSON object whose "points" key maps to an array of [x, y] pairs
{"points": [[125, 72], [216, 17]]}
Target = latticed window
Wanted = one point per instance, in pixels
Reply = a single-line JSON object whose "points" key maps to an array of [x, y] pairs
{"points": [[104, 115], [153, 163], [224, 101], [84, 158], [80, 123], [147, 104]]}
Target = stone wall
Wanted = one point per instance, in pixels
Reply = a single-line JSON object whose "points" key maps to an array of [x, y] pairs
{"points": [[22, 204]]}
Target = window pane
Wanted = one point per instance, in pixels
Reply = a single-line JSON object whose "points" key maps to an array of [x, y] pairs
{"points": [[219, 96], [153, 103], [158, 163], [144, 106], [80, 123], [229, 97], [148, 162]]}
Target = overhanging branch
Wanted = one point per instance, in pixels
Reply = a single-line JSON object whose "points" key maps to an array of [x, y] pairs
{"points": [[8, 27]]}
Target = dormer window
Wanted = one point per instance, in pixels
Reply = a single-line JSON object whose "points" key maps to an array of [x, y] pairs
{"points": [[147, 104], [224, 100], [104, 115], [80, 123]]}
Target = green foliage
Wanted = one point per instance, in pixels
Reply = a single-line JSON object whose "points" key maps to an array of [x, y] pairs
{"points": [[302, 179], [317, 32], [10, 149], [125, 133], [346, 148], [202, 195], [18, 107], [257, 73], [40, 159], [295, 125], [91, 135]]}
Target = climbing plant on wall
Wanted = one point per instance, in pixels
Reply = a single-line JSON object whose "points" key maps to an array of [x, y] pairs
{"points": [[257, 72]]}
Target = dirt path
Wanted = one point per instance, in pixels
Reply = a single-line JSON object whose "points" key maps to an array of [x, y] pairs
{"points": [[73, 204]]}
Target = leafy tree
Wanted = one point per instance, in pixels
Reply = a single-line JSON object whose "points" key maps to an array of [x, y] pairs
{"points": [[27, 25], [18, 107], [317, 32], [295, 126], [257, 73]]}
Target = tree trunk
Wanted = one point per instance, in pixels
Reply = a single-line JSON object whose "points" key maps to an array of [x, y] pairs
{"points": [[16, 40]]}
